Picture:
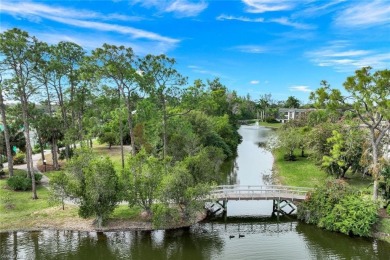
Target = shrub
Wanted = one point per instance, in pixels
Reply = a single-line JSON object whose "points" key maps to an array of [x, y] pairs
{"points": [[352, 216], [164, 216], [63, 153], [19, 183], [19, 158], [38, 177], [336, 207], [271, 120]]}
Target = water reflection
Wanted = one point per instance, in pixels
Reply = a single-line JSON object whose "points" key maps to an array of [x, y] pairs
{"points": [[238, 238]]}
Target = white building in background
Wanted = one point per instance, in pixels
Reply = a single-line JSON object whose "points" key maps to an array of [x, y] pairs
{"points": [[287, 114]]}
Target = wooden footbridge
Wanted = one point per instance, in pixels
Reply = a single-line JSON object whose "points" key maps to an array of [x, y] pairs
{"points": [[282, 196]]}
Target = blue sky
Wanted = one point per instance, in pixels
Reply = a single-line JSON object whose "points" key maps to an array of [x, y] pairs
{"points": [[282, 47]]}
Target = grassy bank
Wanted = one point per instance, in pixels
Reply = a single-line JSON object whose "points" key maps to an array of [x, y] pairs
{"points": [[301, 173], [270, 125], [304, 173], [18, 211]]}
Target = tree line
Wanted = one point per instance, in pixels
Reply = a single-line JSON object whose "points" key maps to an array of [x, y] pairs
{"points": [[179, 133], [347, 132]]}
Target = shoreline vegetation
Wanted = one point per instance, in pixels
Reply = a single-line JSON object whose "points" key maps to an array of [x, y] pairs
{"points": [[303, 172], [25, 214], [20, 213]]}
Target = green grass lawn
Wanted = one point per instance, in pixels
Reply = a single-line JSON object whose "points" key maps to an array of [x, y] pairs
{"points": [[304, 173], [301, 173], [270, 125], [18, 207]]}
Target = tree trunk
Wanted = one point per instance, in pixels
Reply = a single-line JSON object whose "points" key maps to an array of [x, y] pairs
{"points": [[121, 130], [165, 139], [130, 123], [375, 168], [54, 154], [41, 148], [6, 136], [30, 167]]}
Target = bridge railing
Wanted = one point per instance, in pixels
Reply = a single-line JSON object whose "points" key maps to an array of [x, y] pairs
{"points": [[225, 191]]}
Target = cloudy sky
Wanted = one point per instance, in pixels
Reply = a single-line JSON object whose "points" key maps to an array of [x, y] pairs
{"points": [[282, 47]]}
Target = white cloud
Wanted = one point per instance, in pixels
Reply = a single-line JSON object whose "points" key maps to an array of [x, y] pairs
{"points": [[181, 8], [254, 82], [81, 19], [364, 14], [223, 17], [300, 88], [341, 56], [200, 70], [89, 41], [37, 10], [251, 48], [184, 8], [316, 9], [262, 6], [285, 21]]}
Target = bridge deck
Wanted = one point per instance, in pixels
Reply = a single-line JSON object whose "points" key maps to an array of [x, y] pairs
{"points": [[271, 192]]}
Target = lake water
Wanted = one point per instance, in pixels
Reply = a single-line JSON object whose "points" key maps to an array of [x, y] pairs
{"points": [[257, 235]]}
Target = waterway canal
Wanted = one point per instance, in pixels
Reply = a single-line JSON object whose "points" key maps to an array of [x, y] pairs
{"points": [[249, 232]]}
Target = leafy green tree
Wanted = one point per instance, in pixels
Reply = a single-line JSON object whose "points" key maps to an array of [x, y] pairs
{"points": [[62, 69], [117, 66], [59, 188], [346, 151], [94, 182], [292, 102], [369, 100], [19, 54], [290, 139], [143, 176], [7, 144], [179, 187], [164, 87]]}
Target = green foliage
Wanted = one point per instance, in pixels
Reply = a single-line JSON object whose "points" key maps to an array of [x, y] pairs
{"points": [[94, 182], [19, 158], [63, 154], [352, 215], [19, 183], [336, 207], [108, 137], [165, 216], [271, 120], [142, 176], [345, 152], [59, 188], [38, 177]]}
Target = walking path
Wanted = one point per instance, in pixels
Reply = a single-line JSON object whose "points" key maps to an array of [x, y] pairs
{"points": [[35, 159]]}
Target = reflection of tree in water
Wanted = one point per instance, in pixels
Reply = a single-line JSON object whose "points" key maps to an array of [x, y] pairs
{"points": [[268, 179], [326, 244], [229, 171], [175, 244]]}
